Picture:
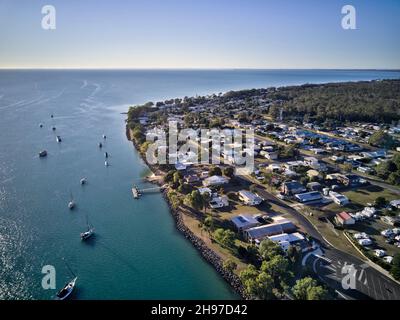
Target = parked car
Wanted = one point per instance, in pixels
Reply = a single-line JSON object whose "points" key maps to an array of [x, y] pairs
{"points": [[388, 259], [380, 253]]}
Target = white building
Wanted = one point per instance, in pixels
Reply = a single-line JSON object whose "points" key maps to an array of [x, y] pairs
{"points": [[338, 198], [219, 202], [285, 240], [244, 222], [249, 198], [215, 181]]}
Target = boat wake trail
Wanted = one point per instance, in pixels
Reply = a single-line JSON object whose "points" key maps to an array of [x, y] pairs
{"points": [[118, 256]]}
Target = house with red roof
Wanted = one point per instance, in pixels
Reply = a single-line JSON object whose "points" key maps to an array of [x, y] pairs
{"points": [[344, 219]]}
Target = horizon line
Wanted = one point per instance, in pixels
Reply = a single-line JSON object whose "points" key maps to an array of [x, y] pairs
{"points": [[192, 68]]}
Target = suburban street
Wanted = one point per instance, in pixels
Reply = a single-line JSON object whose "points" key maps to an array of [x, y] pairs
{"points": [[369, 282]]}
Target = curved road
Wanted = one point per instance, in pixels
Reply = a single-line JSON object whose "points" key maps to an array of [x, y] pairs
{"points": [[338, 267]]}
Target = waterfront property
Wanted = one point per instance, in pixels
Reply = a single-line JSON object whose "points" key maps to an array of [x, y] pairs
{"points": [[257, 234], [245, 221], [214, 181]]}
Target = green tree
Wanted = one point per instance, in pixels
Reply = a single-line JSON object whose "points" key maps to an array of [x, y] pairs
{"points": [[395, 270], [229, 265], [394, 178], [382, 139], [225, 237], [229, 172], [268, 249], [209, 222], [175, 200], [293, 254], [194, 200], [215, 171], [308, 289], [206, 198], [169, 177], [257, 284], [277, 267], [381, 202], [384, 169], [347, 167]]}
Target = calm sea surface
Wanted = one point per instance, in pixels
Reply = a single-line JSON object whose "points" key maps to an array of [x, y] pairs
{"points": [[136, 254]]}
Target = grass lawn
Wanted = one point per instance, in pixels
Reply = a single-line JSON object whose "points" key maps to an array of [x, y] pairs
{"points": [[335, 237], [360, 197], [193, 225]]}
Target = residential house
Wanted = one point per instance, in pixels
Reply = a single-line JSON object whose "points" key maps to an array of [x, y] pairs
{"points": [[393, 221], [257, 234], [219, 202], [292, 187], [215, 181], [344, 219], [285, 240], [192, 178], [245, 221], [307, 197], [249, 198], [338, 198]]}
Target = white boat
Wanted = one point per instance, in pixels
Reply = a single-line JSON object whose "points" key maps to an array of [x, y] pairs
{"points": [[71, 204], [87, 234], [106, 163], [66, 291], [58, 138], [83, 181], [104, 136]]}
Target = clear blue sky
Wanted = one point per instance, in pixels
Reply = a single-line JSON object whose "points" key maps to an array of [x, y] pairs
{"points": [[200, 34]]}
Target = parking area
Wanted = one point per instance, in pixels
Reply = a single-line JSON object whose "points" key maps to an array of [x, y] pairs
{"points": [[355, 279]]}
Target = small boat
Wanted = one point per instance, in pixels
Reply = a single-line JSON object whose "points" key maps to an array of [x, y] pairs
{"points": [[100, 145], [71, 204], [43, 154], [106, 155], [83, 181], [58, 138], [104, 137], [52, 116], [106, 163], [66, 291], [136, 192], [87, 234], [54, 128], [40, 125]]}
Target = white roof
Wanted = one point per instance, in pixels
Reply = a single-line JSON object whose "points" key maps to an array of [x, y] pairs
{"points": [[291, 237], [243, 220], [205, 190], [215, 180], [248, 195]]}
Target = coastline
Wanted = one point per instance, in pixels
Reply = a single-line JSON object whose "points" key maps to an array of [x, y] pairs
{"points": [[206, 252]]}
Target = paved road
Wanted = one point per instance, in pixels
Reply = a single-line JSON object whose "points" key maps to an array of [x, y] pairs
{"points": [[353, 278]]}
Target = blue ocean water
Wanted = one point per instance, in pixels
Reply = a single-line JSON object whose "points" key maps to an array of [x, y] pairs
{"points": [[137, 253]]}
